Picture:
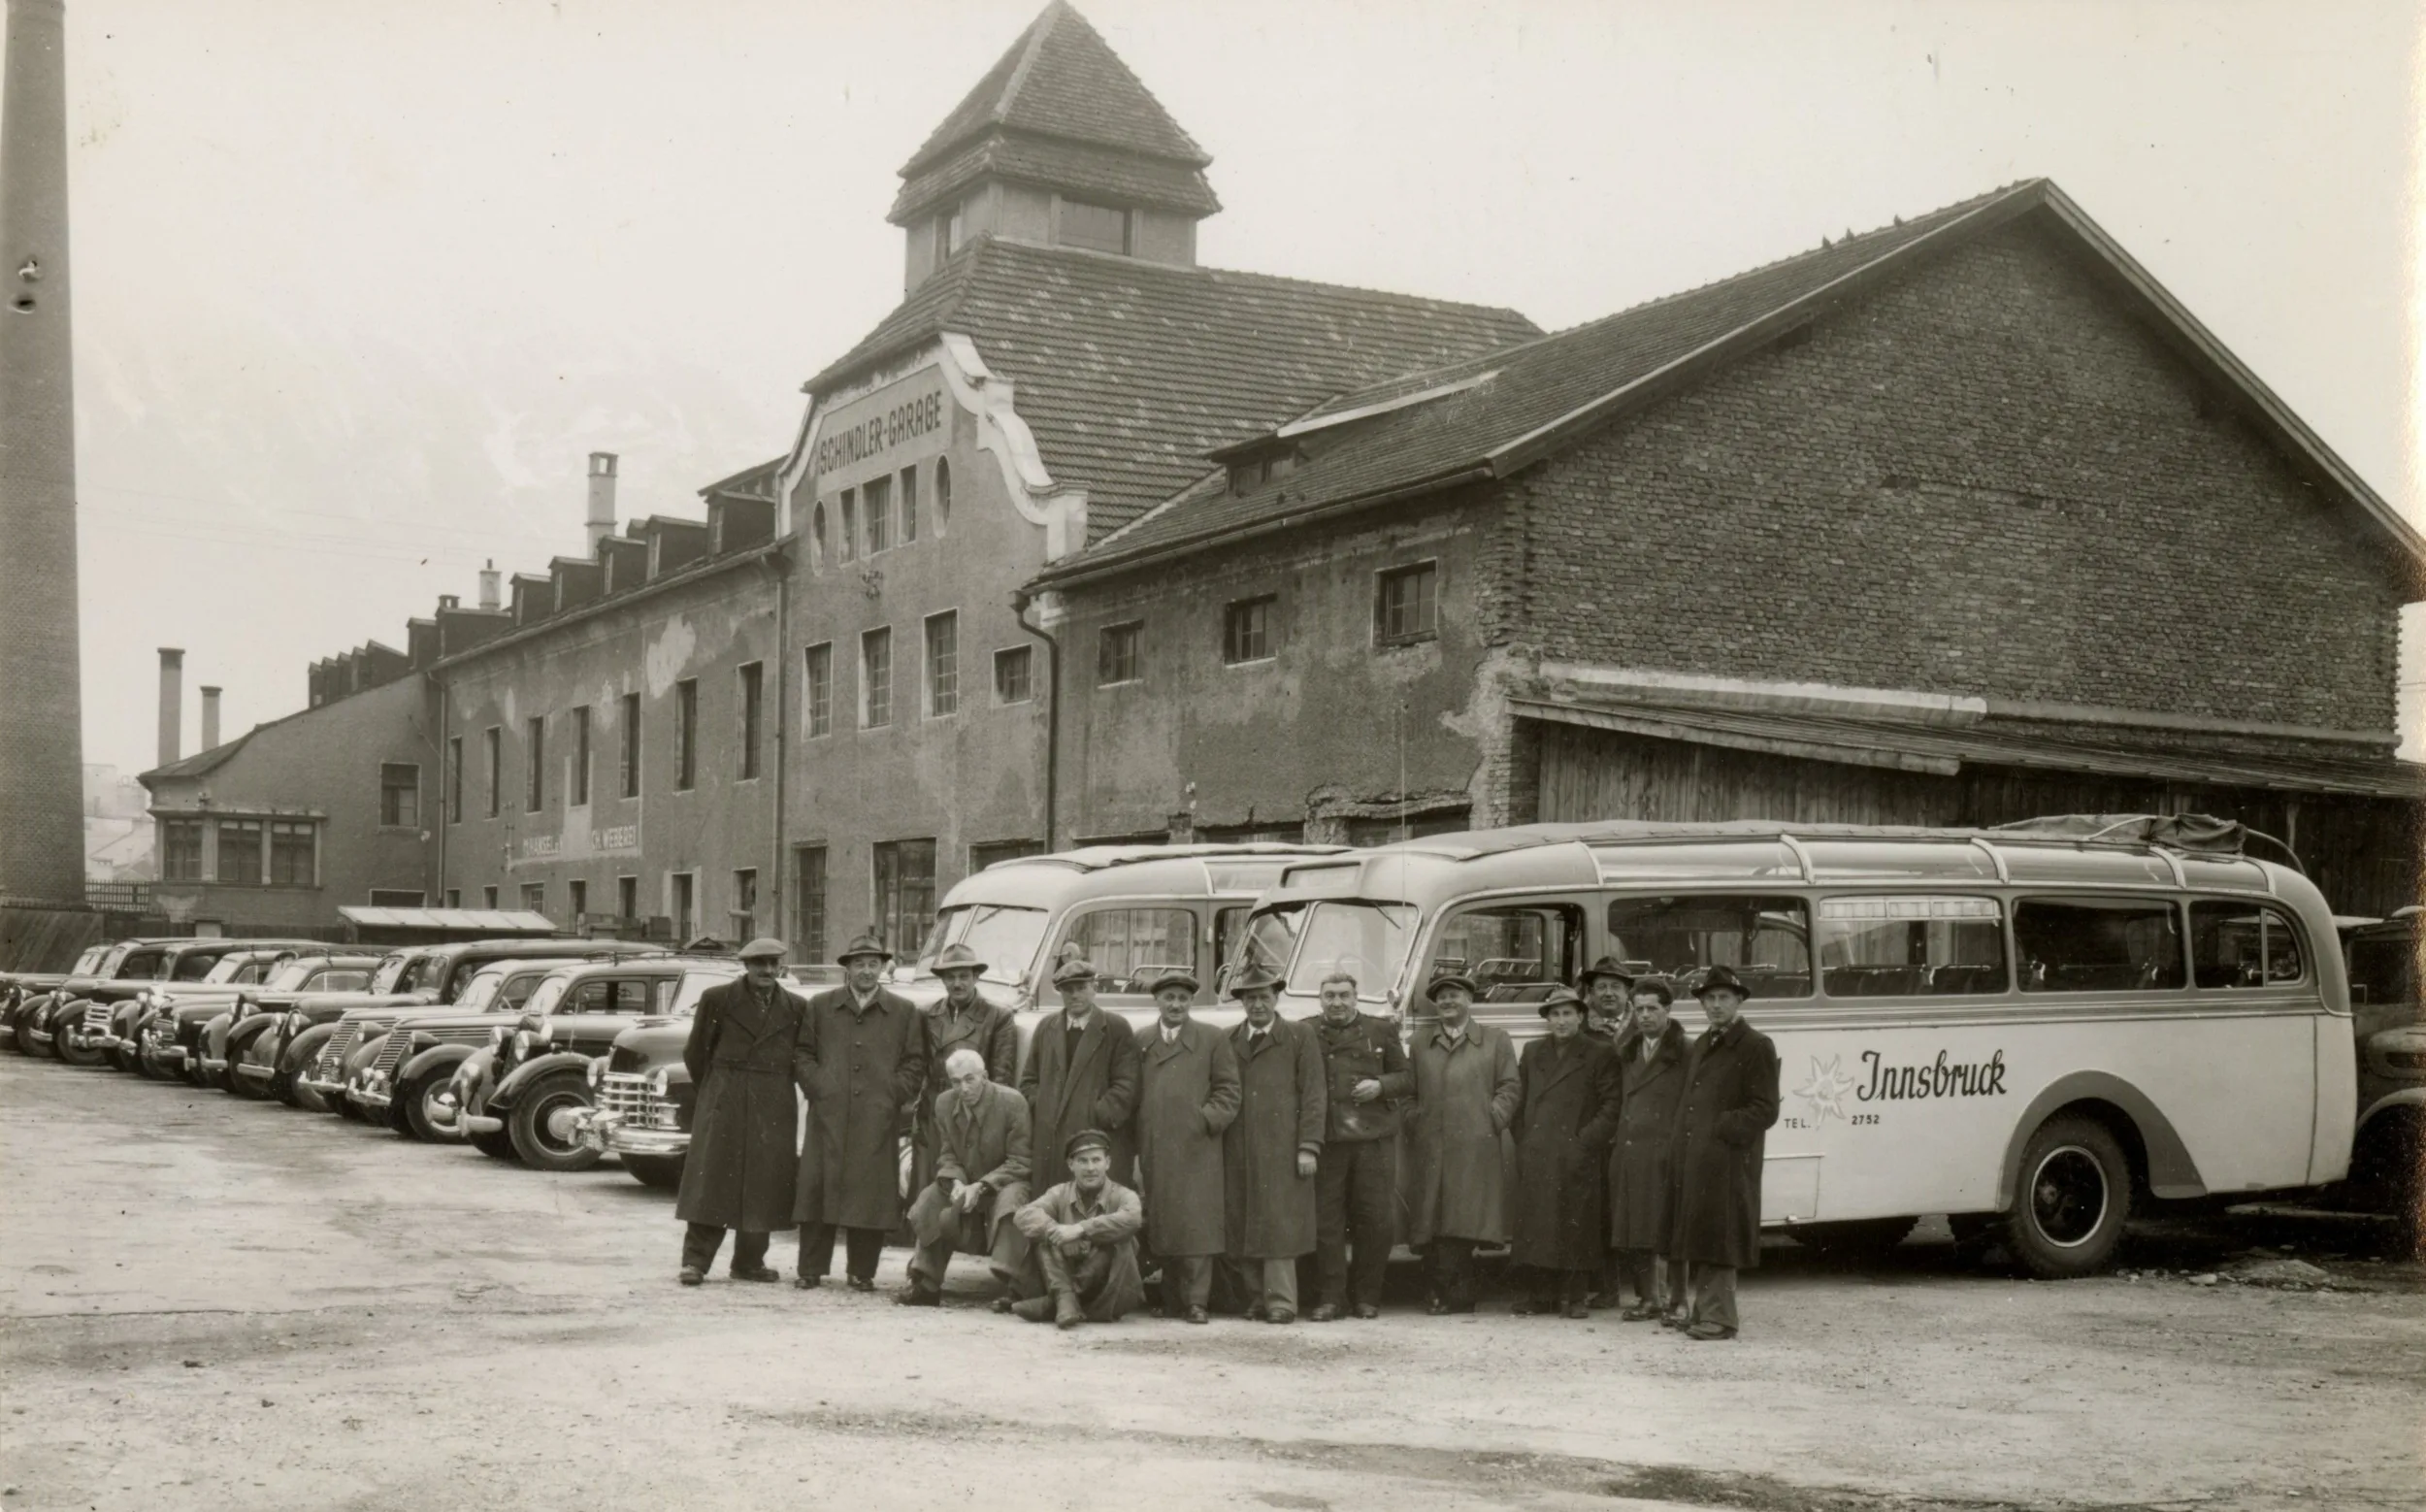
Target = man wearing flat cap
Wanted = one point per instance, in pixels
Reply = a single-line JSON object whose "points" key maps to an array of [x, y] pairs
{"points": [[962, 1020], [863, 1061], [1186, 1096], [1565, 1115], [738, 1173], [1269, 1151], [1729, 1101], [1466, 1097], [979, 1185], [1082, 1235], [1081, 1074]]}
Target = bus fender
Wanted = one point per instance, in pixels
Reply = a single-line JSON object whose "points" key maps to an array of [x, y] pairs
{"points": [[2406, 1097], [2172, 1174]]}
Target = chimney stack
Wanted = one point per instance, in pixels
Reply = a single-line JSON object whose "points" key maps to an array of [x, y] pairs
{"points": [[171, 701], [602, 518], [490, 596], [210, 720]]}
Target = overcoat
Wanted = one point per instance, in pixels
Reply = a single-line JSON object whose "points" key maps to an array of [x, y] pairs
{"points": [[987, 1143], [1365, 1048], [1566, 1115], [1269, 1212], [1466, 1097], [986, 1028], [745, 1154], [1729, 1101], [1188, 1094], [1097, 1088], [1638, 1158], [861, 1068]]}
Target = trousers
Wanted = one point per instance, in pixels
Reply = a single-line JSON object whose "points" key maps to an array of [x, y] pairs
{"points": [[944, 1230], [701, 1240], [1559, 1286], [865, 1245], [1103, 1279], [1187, 1282], [1356, 1195], [1714, 1295], [1448, 1269], [1657, 1281], [1266, 1283]]}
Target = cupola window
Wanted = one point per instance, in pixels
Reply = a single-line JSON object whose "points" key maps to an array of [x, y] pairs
{"points": [[1101, 228]]}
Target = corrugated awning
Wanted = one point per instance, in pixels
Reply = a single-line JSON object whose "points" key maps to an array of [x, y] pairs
{"points": [[2150, 754], [488, 921]]}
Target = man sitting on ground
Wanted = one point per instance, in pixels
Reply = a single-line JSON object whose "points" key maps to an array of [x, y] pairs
{"points": [[1082, 1260]]}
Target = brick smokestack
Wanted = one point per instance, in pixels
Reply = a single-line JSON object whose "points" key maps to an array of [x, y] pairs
{"points": [[600, 524], [490, 595], [171, 703], [42, 745], [210, 720]]}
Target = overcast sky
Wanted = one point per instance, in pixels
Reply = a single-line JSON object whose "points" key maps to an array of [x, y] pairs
{"points": [[359, 284]]}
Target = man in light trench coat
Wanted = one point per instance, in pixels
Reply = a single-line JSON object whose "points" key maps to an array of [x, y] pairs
{"points": [[1270, 1150], [1466, 1097], [864, 1060], [1188, 1094], [739, 1169]]}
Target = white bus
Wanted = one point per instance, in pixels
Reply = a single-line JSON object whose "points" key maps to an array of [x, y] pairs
{"points": [[2033, 1024]]}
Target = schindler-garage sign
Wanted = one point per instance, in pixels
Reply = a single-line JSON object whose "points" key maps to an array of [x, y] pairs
{"points": [[897, 425]]}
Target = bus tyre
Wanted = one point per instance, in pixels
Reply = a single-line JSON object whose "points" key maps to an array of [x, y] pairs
{"points": [[542, 1124], [1868, 1239], [662, 1172], [2071, 1202]]}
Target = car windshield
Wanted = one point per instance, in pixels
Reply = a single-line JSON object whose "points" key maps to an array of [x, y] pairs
{"points": [[290, 977], [694, 983], [481, 992], [1367, 940], [547, 995], [195, 968], [229, 967], [390, 971], [1004, 937]]}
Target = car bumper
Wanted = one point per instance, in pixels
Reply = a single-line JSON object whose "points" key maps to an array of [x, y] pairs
{"points": [[174, 1056], [372, 1093], [326, 1089], [610, 1134], [212, 1066]]}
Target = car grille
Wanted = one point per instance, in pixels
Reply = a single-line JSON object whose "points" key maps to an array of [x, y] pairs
{"points": [[97, 1018], [160, 1033], [332, 1061], [632, 1097], [393, 1053]]}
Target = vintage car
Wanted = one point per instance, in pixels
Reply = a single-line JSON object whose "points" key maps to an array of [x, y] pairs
{"points": [[23, 990], [395, 1076], [2389, 1147], [227, 979], [169, 1034], [521, 1098], [97, 1026]]}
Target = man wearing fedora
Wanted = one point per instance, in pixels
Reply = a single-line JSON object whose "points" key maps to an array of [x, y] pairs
{"points": [[1567, 1112], [1081, 1076], [1082, 1233], [739, 1171], [1466, 1097], [1728, 1102], [1270, 1150], [1606, 985], [1187, 1095], [864, 1053], [1356, 1183], [1651, 1071], [980, 1182], [962, 1020]]}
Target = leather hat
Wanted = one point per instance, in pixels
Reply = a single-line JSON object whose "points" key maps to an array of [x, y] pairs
{"points": [[1721, 976], [1562, 997], [1255, 978], [1086, 1140], [865, 945], [764, 945], [1174, 978], [958, 958], [1077, 969], [1431, 989], [1606, 966]]}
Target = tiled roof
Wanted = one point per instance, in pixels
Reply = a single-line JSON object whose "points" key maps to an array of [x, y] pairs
{"points": [[1061, 79], [1129, 372], [1121, 177], [756, 482]]}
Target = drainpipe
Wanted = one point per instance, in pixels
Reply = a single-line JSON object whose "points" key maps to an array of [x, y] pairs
{"points": [[1021, 599], [779, 562]]}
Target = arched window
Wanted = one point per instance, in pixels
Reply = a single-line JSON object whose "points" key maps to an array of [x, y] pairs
{"points": [[943, 496], [817, 537]]}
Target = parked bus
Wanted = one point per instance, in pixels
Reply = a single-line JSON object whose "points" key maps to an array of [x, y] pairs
{"points": [[2037, 1024]]}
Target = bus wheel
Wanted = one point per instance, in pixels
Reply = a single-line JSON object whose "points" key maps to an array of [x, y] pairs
{"points": [[1868, 1239], [2074, 1195]]}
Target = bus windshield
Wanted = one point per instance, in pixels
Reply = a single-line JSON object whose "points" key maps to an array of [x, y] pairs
{"points": [[1005, 938], [1367, 940]]}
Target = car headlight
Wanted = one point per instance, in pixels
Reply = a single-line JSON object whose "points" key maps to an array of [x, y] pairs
{"points": [[598, 1072], [660, 1082], [421, 1040], [525, 1043], [295, 1022], [499, 1036]]}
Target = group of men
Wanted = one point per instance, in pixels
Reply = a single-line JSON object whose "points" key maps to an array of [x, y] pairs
{"points": [[1637, 1158]]}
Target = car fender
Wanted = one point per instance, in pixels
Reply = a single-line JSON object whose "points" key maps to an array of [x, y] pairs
{"points": [[442, 1060], [2403, 1098], [244, 1031], [2171, 1172], [302, 1051], [500, 1099]]}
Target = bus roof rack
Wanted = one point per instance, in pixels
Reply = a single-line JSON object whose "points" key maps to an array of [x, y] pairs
{"points": [[2202, 835]]}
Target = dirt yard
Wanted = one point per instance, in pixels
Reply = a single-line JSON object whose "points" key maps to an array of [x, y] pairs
{"points": [[212, 1304]]}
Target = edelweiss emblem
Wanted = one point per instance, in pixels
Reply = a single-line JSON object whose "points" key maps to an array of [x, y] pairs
{"points": [[1824, 1090]]}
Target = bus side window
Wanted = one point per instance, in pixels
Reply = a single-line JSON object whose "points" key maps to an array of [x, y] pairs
{"points": [[2098, 945], [1131, 946], [1514, 954], [1226, 923], [1906, 945], [1765, 937], [2234, 944]]}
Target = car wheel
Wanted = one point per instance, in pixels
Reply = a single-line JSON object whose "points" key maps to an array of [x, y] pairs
{"points": [[310, 1101], [1868, 1239], [662, 1172], [541, 1122], [251, 1089], [2072, 1201], [126, 1059], [421, 1108], [72, 1054], [495, 1145], [347, 1109]]}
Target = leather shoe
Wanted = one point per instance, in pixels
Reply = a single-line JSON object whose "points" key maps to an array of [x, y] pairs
{"points": [[1706, 1332], [1034, 1309], [1601, 1300], [1367, 1311], [807, 1283], [1066, 1313], [1578, 1308], [1441, 1309], [754, 1273], [691, 1275], [862, 1283], [1324, 1312], [1005, 1303], [1197, 1315], [915, 1296], [1279, 1315], [1638, 1313]]}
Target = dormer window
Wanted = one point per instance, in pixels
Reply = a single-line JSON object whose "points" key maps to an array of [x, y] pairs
{"points": [[1101, 228], [1248, 473]]}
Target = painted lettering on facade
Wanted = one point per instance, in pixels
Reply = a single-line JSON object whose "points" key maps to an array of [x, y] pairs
{"points": [[895, 425]]}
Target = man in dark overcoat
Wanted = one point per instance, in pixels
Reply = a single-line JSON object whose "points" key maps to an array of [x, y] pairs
{"points": [[1567, 1112], [963, 1019], [1722, 1118], [1081, 1073], [1356, 1183], [746, 1117], [1650, 1074], [1465, 1098], [864, 1060], [979, 1185], [1270, 1150], [1605, 985], [1187, 1095]]}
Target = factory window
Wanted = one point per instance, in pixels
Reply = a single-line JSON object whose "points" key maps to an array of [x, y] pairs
{"points": [[240, 851], [1012, 667], [581, 756], [1101, 228], [876, 678], [627, 898], [876, 502], [848, 536], [454, 898], [1405, 607], [535, 897], [534, 763], [808, 893], [181, 850], [753, 681], [400, 794], [909, 505], [292, 854], [904, 892], [387, 898], [745, 912], [454, 779], [686, 734], [817, 701], [987, 854], [492, 754], [685, 900], [943, 664], [1116, 653], [817, 535], [943, 496], [489, 897], [630, 745], [1247, 631], [576, 899]]}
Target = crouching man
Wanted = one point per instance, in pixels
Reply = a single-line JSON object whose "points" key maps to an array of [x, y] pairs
{"points": [[980, 1182], [1082, 1259]]}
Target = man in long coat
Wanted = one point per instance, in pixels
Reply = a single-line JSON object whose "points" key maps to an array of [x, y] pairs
{"points": [[865, 1059], [1466, 1097], [1356, 1183], [1188, 1094], [1270, 1151], [739, 1169], [963, 1019], [1606, 986], [1082, 1073], [1566, 1116], [980, 1182], [1722, 1118], [1650, 1073]]}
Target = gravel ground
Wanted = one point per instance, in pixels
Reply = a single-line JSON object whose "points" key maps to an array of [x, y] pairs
{"points": [[212, 1304]]}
